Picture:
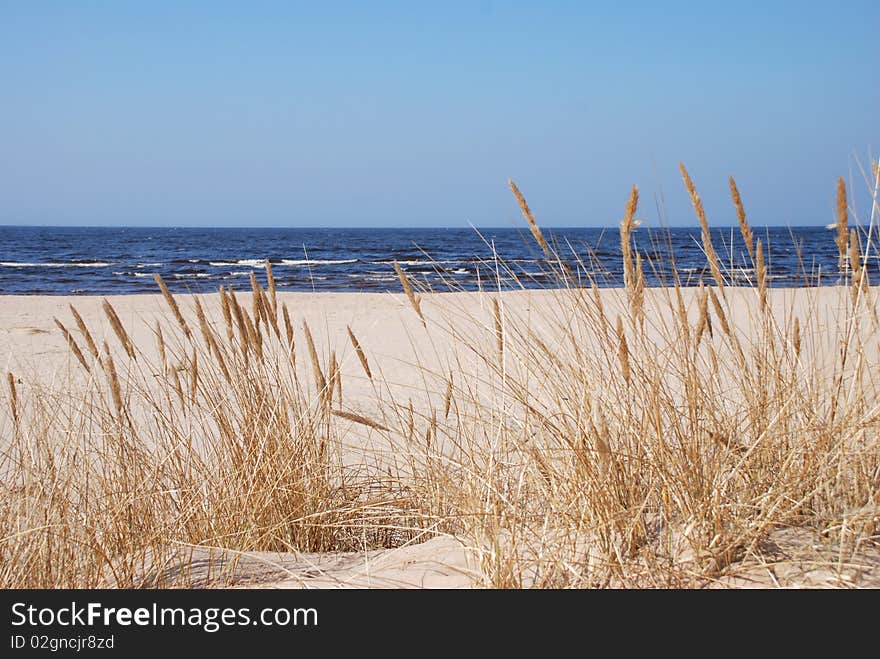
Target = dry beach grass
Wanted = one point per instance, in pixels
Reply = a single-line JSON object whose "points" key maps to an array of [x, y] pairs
{"points": [[571, 437]]}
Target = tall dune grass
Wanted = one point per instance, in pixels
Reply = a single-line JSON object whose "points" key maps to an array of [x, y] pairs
{"points": [[657, 437], [623, 437], [209, 438]]}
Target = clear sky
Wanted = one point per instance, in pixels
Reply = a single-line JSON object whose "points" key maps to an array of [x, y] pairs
{"points": [[415, 114]]}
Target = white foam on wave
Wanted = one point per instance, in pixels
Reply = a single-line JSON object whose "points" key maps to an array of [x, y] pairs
{"points": [[254, 263], [368, 277], [261, 263], [133, 274], [317, 261]]}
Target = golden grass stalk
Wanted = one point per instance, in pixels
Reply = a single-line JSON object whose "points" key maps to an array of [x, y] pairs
{"points": [[255, 337], [320, 380], [627, 224], [533, 226], [71, 342], [447, 397], [263, 306], [499, 330], [226, 309], [842, 222], [682, 312], [623, 351], [240, 324], [744, 227], [113, 377], [256, 307], [761, 275], [207, 332], [13, 397], [719, 311], [697, 203], [431, 430], [194, 377], [84, 330], [357, 418], [796, 337], [335, 379], [291, 339], [414, 300], [704, 323], [211, 340], [119, 329], [172, 304], [178, 388], [855, 264], [362, 358], [288, 326], [273, 297], [637, 303], [250, 329], [411, 425], [270, 315], [221, 362], [160, 344]]}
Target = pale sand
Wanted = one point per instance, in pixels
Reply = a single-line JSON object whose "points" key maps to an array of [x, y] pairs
{"points": [[392, 337], [390, 332]]}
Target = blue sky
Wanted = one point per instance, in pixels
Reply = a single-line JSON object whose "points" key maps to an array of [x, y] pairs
{"points": [[415, 114]]}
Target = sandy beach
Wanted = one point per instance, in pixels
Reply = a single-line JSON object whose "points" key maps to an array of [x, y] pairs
{"points": [[390, 332], [404, 356]]}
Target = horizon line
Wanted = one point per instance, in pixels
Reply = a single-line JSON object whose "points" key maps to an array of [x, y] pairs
{"points": [[391, 228]]}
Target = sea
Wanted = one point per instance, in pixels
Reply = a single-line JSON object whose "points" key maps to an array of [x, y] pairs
{"points": [[122, 260]]}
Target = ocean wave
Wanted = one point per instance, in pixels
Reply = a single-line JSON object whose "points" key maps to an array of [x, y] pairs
{"points": [[374, 277], [192, 275], [134, 274], [69, 264], [317, 261], [418, 262], [254, 263], [261, 263]]}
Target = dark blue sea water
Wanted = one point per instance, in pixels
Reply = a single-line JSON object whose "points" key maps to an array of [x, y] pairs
{"points": [[90, 261]]}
